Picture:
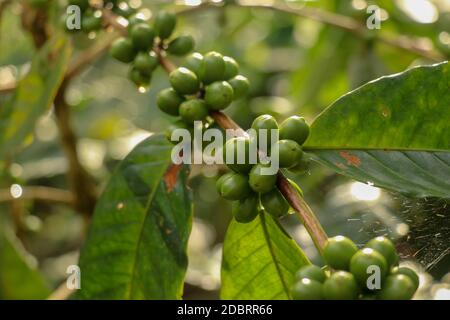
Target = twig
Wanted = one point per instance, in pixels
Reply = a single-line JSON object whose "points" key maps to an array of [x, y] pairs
{"points": [[61, 293], [88, 56], [81, 183], [343, 22], [39, 193]]}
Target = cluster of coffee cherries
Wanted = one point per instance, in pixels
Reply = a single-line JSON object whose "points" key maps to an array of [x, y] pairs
{"points": [[351, 273], [204, 83], [139, 47], [250, 185]]}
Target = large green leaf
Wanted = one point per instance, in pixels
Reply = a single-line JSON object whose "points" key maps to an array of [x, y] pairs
{"points": [[259, 260], [393, 132], [34, 94], [18, 279], [136, 247]]}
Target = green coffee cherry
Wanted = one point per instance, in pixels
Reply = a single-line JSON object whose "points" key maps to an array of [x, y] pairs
{"points": [[176, 126], [193, 62], [338, 252], [212, 67], [135, 19], [364, 259], [409, 273], [231, 68], [146, 62], [122, 49], [397, 287], [301, 167], [124, 10], [265, 122], [311, 272], [234, 186], [245, 210], [168, 100], [294, 128], [260, 182], [142, 36], [192, 110], [274, 203], [340, 285], [91, 22], [140, 79], [181, 45], [240, 85], [165, 24], [83, 4], [238, 149], [218, 95], [289, 153], [387, 249], [184, 81], [307, 289]]}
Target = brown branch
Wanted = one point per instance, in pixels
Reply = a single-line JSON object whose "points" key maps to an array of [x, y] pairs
{"points": [[88, 56], [81, 183], [343, 22], [61, 293], [39, 193]]}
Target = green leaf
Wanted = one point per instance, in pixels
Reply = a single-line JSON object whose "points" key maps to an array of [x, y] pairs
{"points": [[18, 279], [393, 132], [137, 242], [34, 94], [259, 260]]}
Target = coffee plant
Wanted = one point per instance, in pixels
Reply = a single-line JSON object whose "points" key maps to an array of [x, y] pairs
{"points": [[392, 132]]}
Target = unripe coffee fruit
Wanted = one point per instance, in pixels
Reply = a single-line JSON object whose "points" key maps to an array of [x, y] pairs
{"points": [[218, 95], [165, 24], [289, 153], [234, 186], [240, 85], [397, 287], [192, 110], [387, 249], [294, 128], [122, 49], [362, 263], [168, 100], [341, 285], [312, 272], [212, 67], [184, 81], [181, 45], [307, 289], [338, 252], [245, 210], [274, 203], [142, 36], [231, 68]]}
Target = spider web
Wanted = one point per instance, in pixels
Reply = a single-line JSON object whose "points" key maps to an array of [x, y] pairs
{"points": [[428, 239]]}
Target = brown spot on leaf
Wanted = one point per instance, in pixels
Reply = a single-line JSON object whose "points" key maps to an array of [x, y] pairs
{"points": [[352, 160], [170, 177], [341, 166]]}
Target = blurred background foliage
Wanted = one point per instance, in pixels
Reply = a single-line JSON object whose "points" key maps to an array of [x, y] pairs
{"points": [[296, 66]]}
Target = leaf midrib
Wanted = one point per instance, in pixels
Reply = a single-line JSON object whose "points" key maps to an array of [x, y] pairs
{"points": [[146, 210], [272, 253], [326, 148]]}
